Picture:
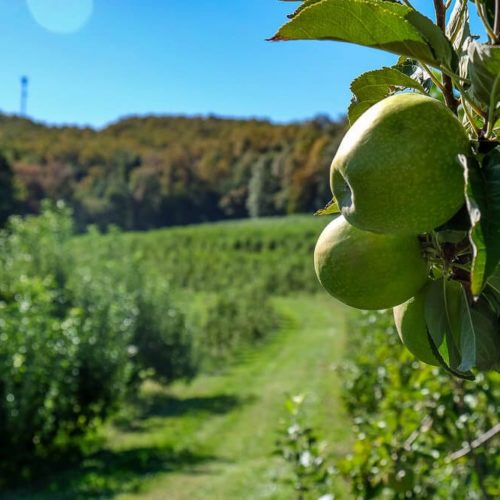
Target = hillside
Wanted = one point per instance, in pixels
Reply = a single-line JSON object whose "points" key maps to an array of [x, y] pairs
{"points": [[154, 171]]}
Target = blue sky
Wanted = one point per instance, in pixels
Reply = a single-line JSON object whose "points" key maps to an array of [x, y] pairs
{"points": [[174, 56]]}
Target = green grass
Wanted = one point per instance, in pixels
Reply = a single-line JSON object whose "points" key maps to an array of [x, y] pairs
{"points": [[214, 438]]}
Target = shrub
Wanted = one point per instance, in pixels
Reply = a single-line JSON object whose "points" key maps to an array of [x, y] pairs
{"points": [[164, 338], [236, 318], [412, 421], [297, 443], [74, 336], [162, 342], [63, 361], [420, 433], [221, 256]]}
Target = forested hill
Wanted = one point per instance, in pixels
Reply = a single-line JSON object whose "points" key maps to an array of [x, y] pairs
{"points": [[145, 172]]}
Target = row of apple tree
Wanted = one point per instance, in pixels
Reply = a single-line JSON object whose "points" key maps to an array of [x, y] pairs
{"points": [[83, 320]]}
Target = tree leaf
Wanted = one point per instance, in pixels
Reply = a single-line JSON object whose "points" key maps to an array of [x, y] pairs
{"points": [[484, 73], [491, 292], [442, 362], [487, 328], [305, 3], [439, 44], [388, 26], [442, 308], [373, 86], [331, 208], [443, 304], [483, 204], [415, 71], [435, 313], [458, 32], [494, 280], [458, 29], [467, 336]]}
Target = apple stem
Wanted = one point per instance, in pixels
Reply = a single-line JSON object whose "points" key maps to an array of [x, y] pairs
{"points": [[451, 260]]}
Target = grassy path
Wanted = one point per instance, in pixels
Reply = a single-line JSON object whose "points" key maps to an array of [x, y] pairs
{"points": [[213, 439], [241, 439]]}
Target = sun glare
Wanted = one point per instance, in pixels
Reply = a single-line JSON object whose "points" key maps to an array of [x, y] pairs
{"points": [[61, 16]]}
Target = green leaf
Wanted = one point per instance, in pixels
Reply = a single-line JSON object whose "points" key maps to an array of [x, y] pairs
{"points": [[483, 204], [373, 86], [384, 25], [492, 298], [331, 208], [487, 328], [491, 292], [484, 72], [458, 32], [304, 5], [415, 71], [467, 336], [458, 29], [436, 39], [443, 303], [494, 280], [442, 308], [435, 312], [442, 362]]}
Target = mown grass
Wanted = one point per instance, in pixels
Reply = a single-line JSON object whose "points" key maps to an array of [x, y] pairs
{"points": [[214, 438]]}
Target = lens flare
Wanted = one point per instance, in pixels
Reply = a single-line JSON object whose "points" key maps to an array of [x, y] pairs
{"points": [[61, 16]]}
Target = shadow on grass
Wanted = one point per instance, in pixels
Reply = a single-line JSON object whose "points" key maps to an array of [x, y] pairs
{"points": [[106, 474], [166, 406], [162, 405]]}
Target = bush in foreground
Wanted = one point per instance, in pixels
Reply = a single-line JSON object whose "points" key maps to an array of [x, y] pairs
{"points": [[74, 338], [420, 433]]}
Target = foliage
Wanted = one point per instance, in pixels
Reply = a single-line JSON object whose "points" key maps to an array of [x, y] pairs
{"points": [[170, 439], [299, 446], [414, 424], [74, 337], [220, 257], [235, 309], [445, 60], [147, 172], [234, 319], [161, 343], [63, 358], [82, 320], [7, 191], [235, 267], [411, 419]]}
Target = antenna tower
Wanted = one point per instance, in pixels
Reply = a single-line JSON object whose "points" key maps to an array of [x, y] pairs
{"points": [[24, 95]]}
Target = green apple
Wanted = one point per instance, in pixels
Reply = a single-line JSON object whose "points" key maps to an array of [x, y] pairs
{"points": [[396, 170], [411, 324], [368, 270]]}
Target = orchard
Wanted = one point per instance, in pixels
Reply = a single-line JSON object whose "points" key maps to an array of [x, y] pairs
{"points": [[416, 179]]}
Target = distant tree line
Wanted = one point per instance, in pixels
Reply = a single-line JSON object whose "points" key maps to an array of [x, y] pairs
{"points": [[147, 172]]}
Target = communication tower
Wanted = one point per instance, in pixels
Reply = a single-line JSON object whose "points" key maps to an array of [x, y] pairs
{"points": [[24, 95]]}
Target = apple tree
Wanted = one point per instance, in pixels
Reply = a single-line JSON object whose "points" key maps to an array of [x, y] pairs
{"points": [[420, 165]]}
